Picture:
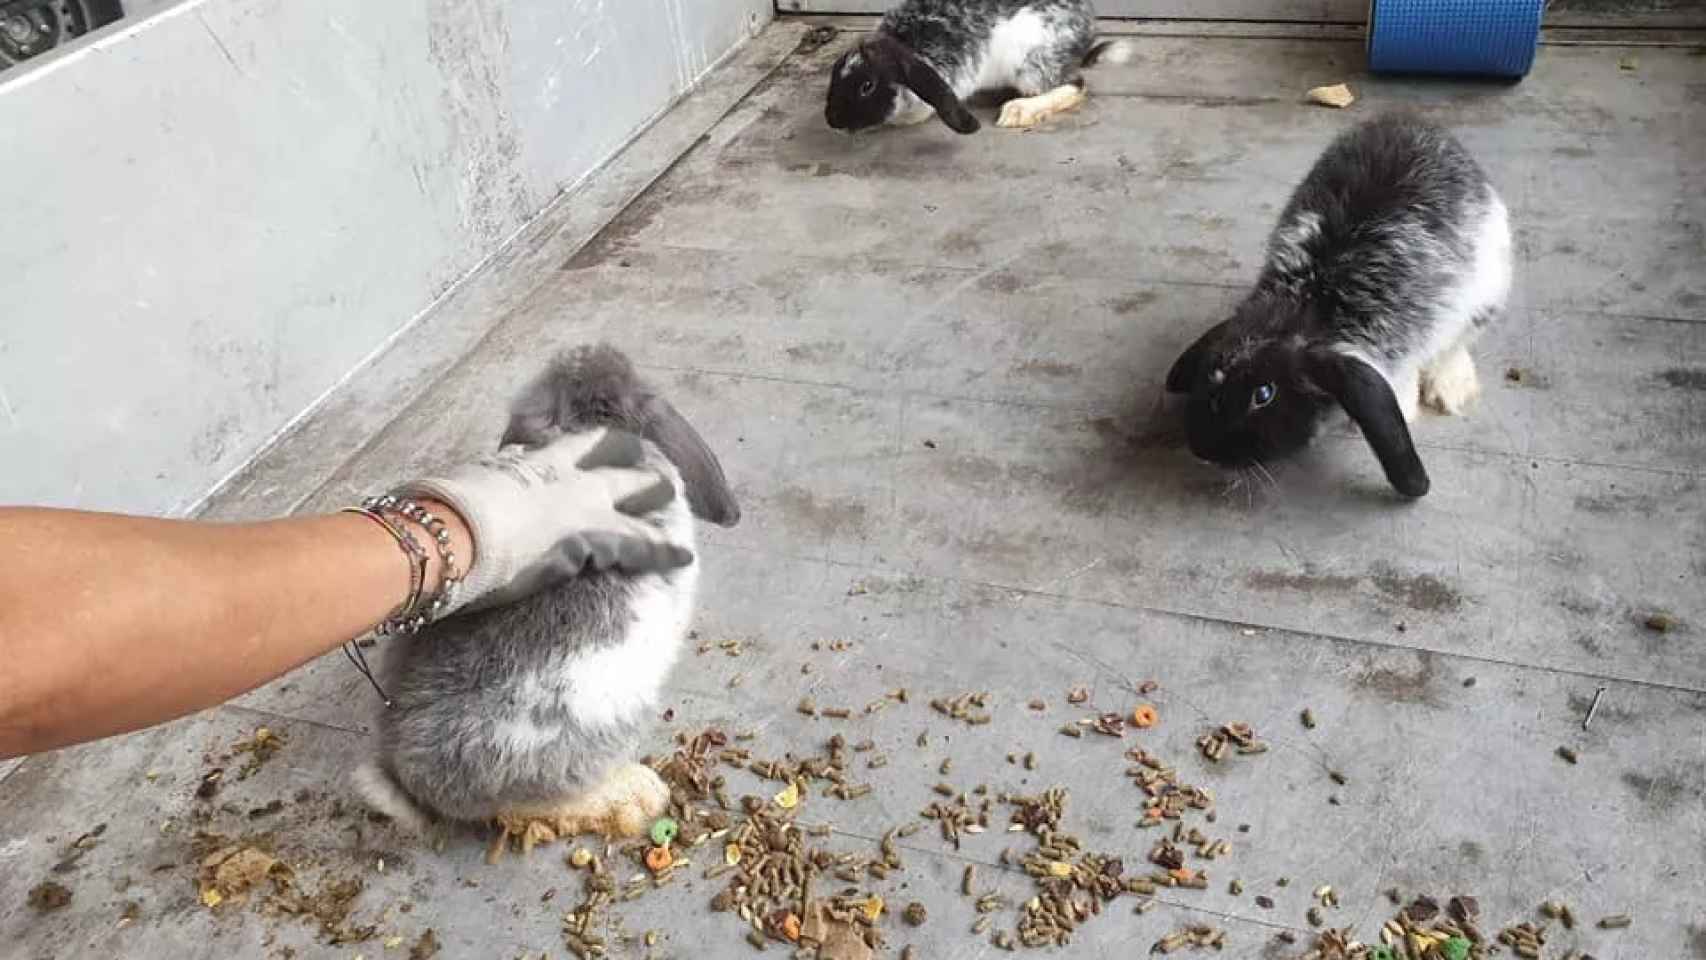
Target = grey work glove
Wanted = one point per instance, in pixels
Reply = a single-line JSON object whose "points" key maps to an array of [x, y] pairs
{"points": [[542, 515]]}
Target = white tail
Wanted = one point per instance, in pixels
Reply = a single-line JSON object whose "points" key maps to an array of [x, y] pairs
{"points": [[382, 793], [1111, 51]]}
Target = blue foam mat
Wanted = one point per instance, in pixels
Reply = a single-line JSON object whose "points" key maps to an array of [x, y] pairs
{"points": [[1474, 37]]}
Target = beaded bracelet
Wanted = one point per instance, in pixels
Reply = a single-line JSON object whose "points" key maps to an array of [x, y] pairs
{"points": [[412, 550], [411, 618]]}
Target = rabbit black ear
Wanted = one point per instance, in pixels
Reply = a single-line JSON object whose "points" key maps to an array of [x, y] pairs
{"points": [[921, 78], [708, 492], [1368, 398], [1184, 372]]}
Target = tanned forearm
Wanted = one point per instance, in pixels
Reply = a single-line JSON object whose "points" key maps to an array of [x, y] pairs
{"points": [[112, 623]]}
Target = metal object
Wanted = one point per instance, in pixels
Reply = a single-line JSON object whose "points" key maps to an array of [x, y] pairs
{"points": [[29, 28], [1593, 707]]}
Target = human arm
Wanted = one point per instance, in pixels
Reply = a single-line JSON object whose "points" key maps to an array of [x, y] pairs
{"points": [[110, 623]]}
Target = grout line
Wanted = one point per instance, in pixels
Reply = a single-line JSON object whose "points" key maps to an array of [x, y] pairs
{"points": [[1228, 622], [1513, 456], [292, 718]]}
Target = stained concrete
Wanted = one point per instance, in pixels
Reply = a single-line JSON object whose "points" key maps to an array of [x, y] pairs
{"points": [[931, 366]]}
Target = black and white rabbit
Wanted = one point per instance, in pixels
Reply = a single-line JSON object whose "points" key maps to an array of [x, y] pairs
{"points": [[531, 714], [1392, 256], [928, 56]]}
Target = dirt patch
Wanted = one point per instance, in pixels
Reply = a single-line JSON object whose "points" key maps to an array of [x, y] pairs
{"points": [[824, 515], [1132, 303], [1422, 592], [1662, 792], [1052, 369], [1001, 281], [1685, 378], [1274, 581], [1401, 686]]}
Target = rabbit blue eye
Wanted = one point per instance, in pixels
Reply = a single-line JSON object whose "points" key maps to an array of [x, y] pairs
{"points": [[1262, 396], [867, 88]]}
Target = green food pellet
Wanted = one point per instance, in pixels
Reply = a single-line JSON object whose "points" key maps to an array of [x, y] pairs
{"points": [[1456, 948], [664, 831]]}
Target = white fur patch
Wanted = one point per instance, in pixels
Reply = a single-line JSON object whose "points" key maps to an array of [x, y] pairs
{"points": [[1010, 43], [1286, 249], [1484, 286], [619, 682], [1118, 52], [853, 62], [381, 793]]}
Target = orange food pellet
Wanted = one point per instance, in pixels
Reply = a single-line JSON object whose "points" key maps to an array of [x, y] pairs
{"points": [[1144, 716], [1182, 874], [658, 859], [791, 928]]}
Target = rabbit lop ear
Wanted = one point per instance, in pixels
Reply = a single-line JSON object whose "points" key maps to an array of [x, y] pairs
{"points": [[1367, 397], [921, 78], [708, 492], [1184, 372]]}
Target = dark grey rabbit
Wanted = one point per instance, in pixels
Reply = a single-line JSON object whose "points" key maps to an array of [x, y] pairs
{"points": [[531, 714], [928, 56], [1391, 257]]}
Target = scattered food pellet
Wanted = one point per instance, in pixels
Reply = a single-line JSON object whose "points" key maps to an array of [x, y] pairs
{"points": [[658, 859], [789, 797], [664, 831], [1265, 902], [1628, 62], [1337, 777], [1144, 716], [1615, 922], [48, 896], [426, 947], [580, 858], [1514, 374], [791, 928], [1308, 718], [915, 915], [1567, 755], [1337, 95], [1660, 622], [1468, 681], [1078, 695]]}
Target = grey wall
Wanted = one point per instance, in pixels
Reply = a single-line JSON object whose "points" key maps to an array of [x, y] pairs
{"points": [[213, 215]]}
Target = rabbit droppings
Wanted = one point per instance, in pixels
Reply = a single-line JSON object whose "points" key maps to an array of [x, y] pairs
{"points": [[928, 56], [1391, 257], [530, 715]]}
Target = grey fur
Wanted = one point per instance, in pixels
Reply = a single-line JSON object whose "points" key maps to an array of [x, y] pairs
{"points": [[932, 54], [1389, 258], [953, 36], [456, 685]]}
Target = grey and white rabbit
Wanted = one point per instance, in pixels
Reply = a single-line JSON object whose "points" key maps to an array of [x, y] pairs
{"points": [[1392, 256], [927, 56], [532, 712]]}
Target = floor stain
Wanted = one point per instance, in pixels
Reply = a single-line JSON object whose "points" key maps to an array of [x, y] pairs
{"points": [[1683, 378], [1400, 686], [1273, 581], [1471, 851], [1052, 369], [823, 515], [1422, 592], [1133, 302], [1662, 792]]}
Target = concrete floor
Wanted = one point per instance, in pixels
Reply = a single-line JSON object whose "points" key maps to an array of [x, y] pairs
{"points": [[931, 365]]}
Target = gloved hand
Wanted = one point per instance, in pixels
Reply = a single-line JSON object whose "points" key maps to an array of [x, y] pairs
{"points": [[541, 515]]}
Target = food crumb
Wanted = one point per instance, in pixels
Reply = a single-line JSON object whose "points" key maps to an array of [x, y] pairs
{"points": [[1338, 96], [48, 896]]}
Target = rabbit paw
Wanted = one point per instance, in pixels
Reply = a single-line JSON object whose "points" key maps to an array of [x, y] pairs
{"points": [[1024, 112], [623, 805], [1449, 384]]}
